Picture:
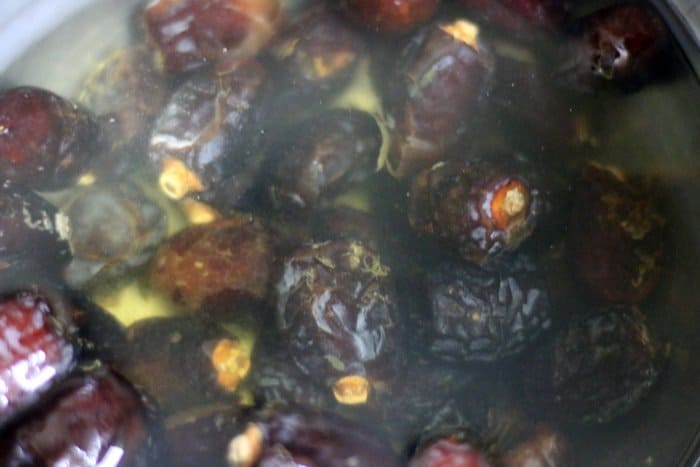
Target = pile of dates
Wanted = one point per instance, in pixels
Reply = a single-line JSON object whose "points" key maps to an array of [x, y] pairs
{"points": [[381, 229]]}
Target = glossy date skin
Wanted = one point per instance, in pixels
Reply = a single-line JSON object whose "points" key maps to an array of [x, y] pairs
{"points": [[395, 17], [621, 45], [229, 258], [38, 350], [336, 311], [618, 249], [46, 141], [207, 132], [295, 436], [486, 315], [330, 153], [441, 74], [479, 209], [191, 33], [448, 451], [90, 420]]}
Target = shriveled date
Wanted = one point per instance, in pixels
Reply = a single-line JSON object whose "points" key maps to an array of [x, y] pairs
{"points": [[337, 314], [486, 315]]}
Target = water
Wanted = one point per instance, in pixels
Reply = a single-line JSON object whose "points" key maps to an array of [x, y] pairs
{"points": [[653, 131]]}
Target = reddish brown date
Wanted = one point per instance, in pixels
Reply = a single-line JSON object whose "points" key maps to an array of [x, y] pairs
{"points": [[36, 350], [313, 60], [337, 314], [479, 209], [207, 132], [329, 153], [393, 17], [617, 245], [90, 420], [450, 452], [46, 142], [620, 44], [184, 361], [192, 33], [298, 437], [441, 74], [230, 258], [33, 236], [520, 17]]}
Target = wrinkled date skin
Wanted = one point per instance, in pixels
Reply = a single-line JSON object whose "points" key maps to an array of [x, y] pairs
{"points": [[184, 361], [33, 236], [441, 75], [486, 315], [192, 33], [617, 246], [46, 141], [330, 153], [394, 17], [200, 436], [479, 209], [598, 368], [230, 258], [114, 228], [90, 420], [295, 436], [545, 447], [314, 59], [38, 349], [521, 17], [450, 452], [207, 132], [337, 314], [620, 45]]}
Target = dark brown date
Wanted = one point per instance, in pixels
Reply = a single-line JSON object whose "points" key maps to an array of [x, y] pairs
{"points": [[226, 259], [33, 236], [337, 314], [394, 17], [90, 420], [621, 44], [596, 369], [184, 361], [191, 33], [479, 209], [114, 229], [37, 348], [345, 223], [440, 75], [200, 436], [126, 87], [313, 60], [296, 437], [46, 141], [486, 315], [617, 245], [207, 132], [328, 154]]}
